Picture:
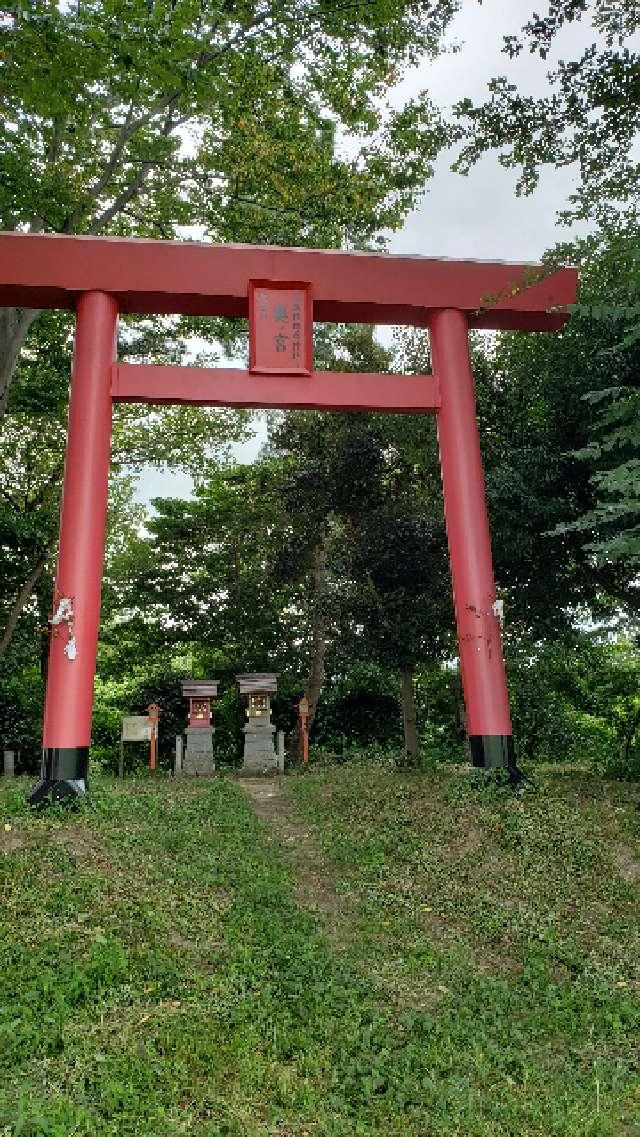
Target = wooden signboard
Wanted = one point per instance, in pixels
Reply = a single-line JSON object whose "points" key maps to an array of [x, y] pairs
{"points": [[136, 728], [280, 328]]}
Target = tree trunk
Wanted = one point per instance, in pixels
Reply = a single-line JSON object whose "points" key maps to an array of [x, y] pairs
{"points": [[22, 598], [630, 735], [318, 637], [14, 325], [411, 742]]}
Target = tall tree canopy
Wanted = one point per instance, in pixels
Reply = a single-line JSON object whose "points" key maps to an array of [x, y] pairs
{"points": [[589, 119], [609, 314], [32, 448], [258, 122]]}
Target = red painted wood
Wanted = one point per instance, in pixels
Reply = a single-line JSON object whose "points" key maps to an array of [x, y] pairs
{"points": [[67, 717], [481, 661], [199, 704], [50, 271], [280, 328], [322, 390]]}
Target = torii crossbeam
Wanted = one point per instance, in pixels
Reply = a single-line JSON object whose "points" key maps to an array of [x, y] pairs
{"points": [[282, 291]]}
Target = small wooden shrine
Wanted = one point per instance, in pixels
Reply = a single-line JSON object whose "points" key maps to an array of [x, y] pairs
{"points": [[198, 756], [259, 751]]}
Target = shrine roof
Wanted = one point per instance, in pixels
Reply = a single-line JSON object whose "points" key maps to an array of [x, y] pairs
{"points": [[200, 688], [145, 276], [258, 683]]}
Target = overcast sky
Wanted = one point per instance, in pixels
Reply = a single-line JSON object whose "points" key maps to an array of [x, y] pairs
{"points": [[478, 216]]}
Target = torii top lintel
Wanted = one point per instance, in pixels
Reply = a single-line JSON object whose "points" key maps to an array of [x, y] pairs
{"points": [[51, 271]]}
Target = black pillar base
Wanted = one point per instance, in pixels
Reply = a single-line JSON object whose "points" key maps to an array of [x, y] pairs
{"points": [[63, 776], [495, 752]]}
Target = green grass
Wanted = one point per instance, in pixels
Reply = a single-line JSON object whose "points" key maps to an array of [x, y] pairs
{"points": [[479, 976]]}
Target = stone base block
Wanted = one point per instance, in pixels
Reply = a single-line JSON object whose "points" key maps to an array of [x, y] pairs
{"points": [[68, 791], [198, 756], [259, 753], [258, 763], [200, 739], [197, 764]]}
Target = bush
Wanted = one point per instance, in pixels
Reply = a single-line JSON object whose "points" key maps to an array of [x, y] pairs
{"points": [[369, 754], [358, 708], [21, 700], [576, 701]]}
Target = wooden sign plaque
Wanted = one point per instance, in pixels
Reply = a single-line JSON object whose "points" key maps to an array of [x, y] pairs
{"points": [[280, 328]]}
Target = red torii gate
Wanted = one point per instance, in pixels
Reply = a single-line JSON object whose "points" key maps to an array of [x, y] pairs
{"points": [[102, 276]]}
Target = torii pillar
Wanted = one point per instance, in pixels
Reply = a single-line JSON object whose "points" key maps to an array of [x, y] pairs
{"points": [[78, 583], [482, 667]]}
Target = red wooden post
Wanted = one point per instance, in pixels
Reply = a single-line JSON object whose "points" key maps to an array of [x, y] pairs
{"points": [[481, 661], [76, 609], [153, 710]]}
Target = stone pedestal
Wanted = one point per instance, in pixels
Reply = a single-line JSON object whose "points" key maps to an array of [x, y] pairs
{"points": [[198, 756], [259, 751]]}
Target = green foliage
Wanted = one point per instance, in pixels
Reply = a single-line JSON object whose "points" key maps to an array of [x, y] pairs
{"points": [[589, 118], [32, 444], [117, 118], [247, 601], [577, 701], [264, 123], [358, 706], [368, 753], [541, 448], [132, 696], [21, 717], [360, 715], [609, 453], [398, 564], [440, 714], [616, 478], [221, 604], [373, 480], [255, 123]]}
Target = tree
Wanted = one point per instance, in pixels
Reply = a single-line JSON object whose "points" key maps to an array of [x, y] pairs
{"points": [[30, 472], [590, 119], [32, 448], [139, 119], [534, 415], [329, 531], [206, 591], [400, 609], [611, 456], [575, 699], [329, 459], [366, 485], [202, 581], [551, 464]]}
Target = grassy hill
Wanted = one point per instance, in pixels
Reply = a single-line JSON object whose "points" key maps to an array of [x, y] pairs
{"points": [[375, 953]]}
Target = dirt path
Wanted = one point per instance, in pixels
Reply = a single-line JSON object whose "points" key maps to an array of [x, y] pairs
{"points": [[315, 887]]}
